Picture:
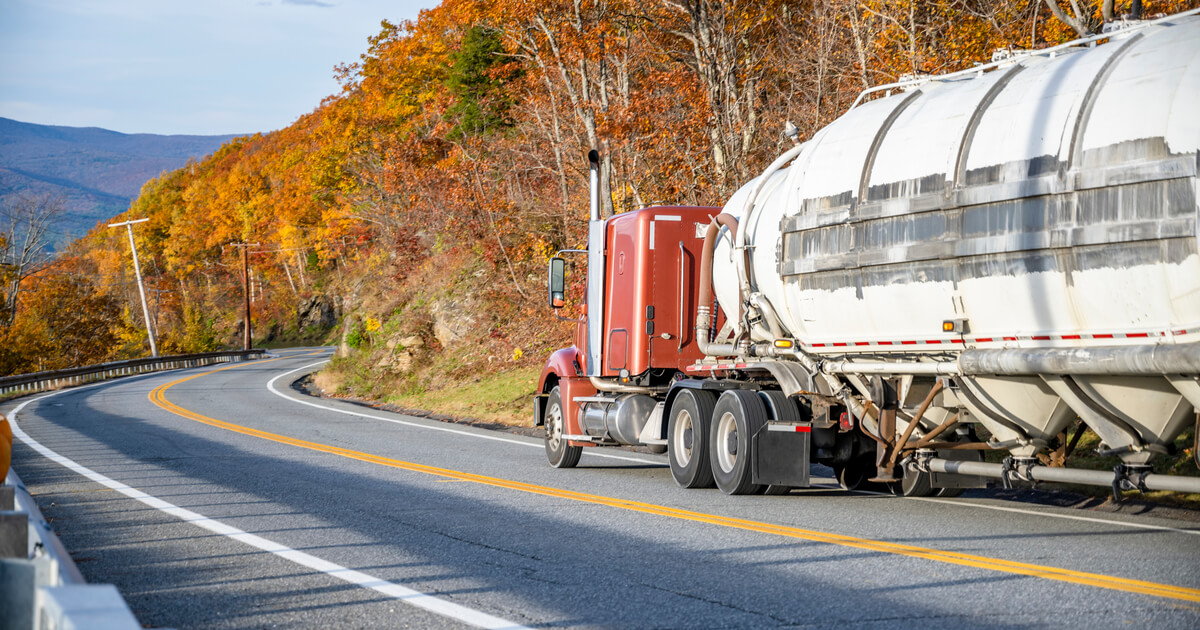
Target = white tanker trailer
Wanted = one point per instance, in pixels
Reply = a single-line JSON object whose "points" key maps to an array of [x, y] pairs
{"points": [[1012, 247]]}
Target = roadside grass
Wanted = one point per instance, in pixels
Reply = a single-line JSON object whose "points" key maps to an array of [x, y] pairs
{"points": [[502, 398], [497, 397]]}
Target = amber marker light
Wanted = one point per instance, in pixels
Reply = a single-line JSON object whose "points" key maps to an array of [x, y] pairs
{"points": [[783, 343], [948, 326]]}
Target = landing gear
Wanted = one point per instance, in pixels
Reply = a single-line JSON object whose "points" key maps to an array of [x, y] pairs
{"points": [[558, 451], [738, 415], [687, 438]]}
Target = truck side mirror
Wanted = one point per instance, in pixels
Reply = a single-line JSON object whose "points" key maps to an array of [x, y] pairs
{"points": [[558, 271]]}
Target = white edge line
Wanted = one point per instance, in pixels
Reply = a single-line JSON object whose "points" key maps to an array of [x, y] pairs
{"points": [[271, 386], [409, 596], [1072, 517]]}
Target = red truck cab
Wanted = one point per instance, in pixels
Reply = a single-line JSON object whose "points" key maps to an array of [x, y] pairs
{"points": [[641, 335]]}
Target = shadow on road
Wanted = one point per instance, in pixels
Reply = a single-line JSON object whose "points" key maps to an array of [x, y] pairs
{"points": [[562, 563]]}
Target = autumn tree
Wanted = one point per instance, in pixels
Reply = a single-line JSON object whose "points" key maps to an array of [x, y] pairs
{"points": [[725, 45], [25, 223]]}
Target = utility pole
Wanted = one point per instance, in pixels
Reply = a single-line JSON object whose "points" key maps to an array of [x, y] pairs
{"points": [[245, 247], [137, 271]]}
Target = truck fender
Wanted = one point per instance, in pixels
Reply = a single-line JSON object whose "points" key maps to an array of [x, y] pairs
{"points": [[562, 364], [794, 379], [676, 387]]}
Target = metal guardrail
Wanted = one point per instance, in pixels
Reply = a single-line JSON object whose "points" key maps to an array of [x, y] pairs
{"points": [[40, 587], [22, 384]]}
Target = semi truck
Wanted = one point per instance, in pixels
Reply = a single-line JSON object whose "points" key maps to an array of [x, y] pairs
{"points": [[959, 265]]}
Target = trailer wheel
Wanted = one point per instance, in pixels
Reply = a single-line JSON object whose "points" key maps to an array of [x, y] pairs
{"points": [[687, 438], [854, 473], [913, 484], [560, 454], [739, 414]]}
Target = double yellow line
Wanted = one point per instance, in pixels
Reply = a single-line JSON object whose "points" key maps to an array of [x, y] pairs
{"points": [[158, 397]]}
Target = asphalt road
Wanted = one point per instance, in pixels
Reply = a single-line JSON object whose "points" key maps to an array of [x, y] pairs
{"points": [[212, 501]]}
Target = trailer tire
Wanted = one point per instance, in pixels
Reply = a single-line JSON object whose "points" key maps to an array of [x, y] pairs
{"points": [[558, 451], [738, 415], [913, 484], [687, 438], [854, 473]]}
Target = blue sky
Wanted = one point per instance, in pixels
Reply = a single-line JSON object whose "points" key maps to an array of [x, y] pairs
{"points": [[176, 67]]}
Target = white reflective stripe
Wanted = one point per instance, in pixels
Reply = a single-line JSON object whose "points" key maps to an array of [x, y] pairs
{"points": [[359, 414], [668, 217]]}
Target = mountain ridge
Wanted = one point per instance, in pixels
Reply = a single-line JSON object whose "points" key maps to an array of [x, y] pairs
{"points": [[98, 172]]}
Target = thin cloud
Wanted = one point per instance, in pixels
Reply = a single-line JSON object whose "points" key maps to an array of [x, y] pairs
{"points": [[310, 3]]}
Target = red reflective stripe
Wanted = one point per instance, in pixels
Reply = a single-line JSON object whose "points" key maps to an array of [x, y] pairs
{"points": [[960, 340], [803, 429]]}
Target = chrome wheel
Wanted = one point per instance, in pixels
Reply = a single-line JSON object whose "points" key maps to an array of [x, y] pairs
{"points": [[684, 436], [726, 442], [558, 451]]}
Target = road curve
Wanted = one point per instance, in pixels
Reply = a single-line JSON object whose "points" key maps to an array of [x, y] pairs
{"points": [[220, 498]]}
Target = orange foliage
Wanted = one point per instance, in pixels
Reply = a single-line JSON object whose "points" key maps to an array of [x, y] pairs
{"points": [[685, 98]]}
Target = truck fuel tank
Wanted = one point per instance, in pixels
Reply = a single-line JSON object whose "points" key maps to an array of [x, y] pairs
{"points": [[620, 418]]}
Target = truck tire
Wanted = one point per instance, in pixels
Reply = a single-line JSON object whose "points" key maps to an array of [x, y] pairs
{"points": [[781, 409], [738, 415], [560, 454], [687, 438]]}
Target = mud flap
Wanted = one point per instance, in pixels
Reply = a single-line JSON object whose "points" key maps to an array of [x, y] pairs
{"points": [[781, 452], [539, 409]]}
